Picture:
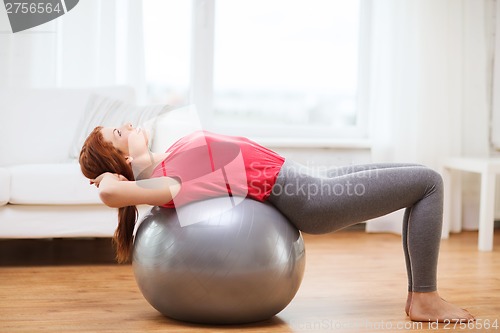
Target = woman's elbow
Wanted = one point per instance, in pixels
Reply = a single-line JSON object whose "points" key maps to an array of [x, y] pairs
{"points": [[108, 198]]}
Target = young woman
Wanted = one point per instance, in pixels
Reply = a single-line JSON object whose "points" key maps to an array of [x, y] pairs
{"points": [[204, 164]]}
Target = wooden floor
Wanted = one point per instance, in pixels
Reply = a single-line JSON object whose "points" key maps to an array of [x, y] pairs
{"points": [[354, 282]]}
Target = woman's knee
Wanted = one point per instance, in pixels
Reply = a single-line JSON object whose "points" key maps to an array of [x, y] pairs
{"points": [[436, 177], [434, 180]]}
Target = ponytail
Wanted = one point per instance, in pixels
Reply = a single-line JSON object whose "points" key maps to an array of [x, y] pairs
{"points": [[97, 157], [123, 239]]}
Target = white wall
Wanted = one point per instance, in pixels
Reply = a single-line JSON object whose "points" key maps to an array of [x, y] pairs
{"points": [[32, 59]]}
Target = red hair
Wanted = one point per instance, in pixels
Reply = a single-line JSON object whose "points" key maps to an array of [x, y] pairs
{"points": [[97, 157]]}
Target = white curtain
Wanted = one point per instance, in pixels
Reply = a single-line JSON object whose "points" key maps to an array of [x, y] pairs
{"points": [[27, 59], [428, 71], [99, 42]]}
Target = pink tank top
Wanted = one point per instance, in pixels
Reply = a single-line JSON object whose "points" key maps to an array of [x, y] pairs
{"points": [[212, 165]]}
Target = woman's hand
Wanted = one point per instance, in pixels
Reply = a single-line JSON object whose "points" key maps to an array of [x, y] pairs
{"points": [[108, 175]]}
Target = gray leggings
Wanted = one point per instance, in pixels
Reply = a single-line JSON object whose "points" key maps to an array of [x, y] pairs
{"points": [[349, 195]]}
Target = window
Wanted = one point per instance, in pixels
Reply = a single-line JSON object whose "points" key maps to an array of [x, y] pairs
{"points": [[286, 66], [167, 33], [258, 67]]}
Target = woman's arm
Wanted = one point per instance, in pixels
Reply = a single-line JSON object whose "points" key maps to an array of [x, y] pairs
{"points": [[115, 191]]}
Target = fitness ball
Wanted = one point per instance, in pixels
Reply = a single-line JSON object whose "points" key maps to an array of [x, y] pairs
{"points": [[225, 265]]}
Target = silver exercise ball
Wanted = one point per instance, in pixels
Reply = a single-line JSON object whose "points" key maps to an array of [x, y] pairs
{"points": [[212, 264]]}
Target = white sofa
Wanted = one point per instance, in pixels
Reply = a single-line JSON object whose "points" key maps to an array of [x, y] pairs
{"points": [[42, 191]]}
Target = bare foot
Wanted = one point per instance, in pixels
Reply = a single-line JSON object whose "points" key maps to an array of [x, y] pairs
{"points": [[431, 307], [408, 303]]}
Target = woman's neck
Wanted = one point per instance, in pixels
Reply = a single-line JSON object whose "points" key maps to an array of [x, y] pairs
{"points": [[144, 165]]}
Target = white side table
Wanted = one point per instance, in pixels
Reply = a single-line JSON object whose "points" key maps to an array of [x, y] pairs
{"points": [[488, 168]]}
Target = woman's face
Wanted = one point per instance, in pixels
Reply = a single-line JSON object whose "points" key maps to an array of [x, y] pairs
{"points": [[133, 142]]}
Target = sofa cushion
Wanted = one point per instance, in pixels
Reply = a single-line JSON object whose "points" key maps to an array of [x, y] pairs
{"points": [[50, 184], [109, 112], [39, 124], [4, 186], [172, 126]]}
